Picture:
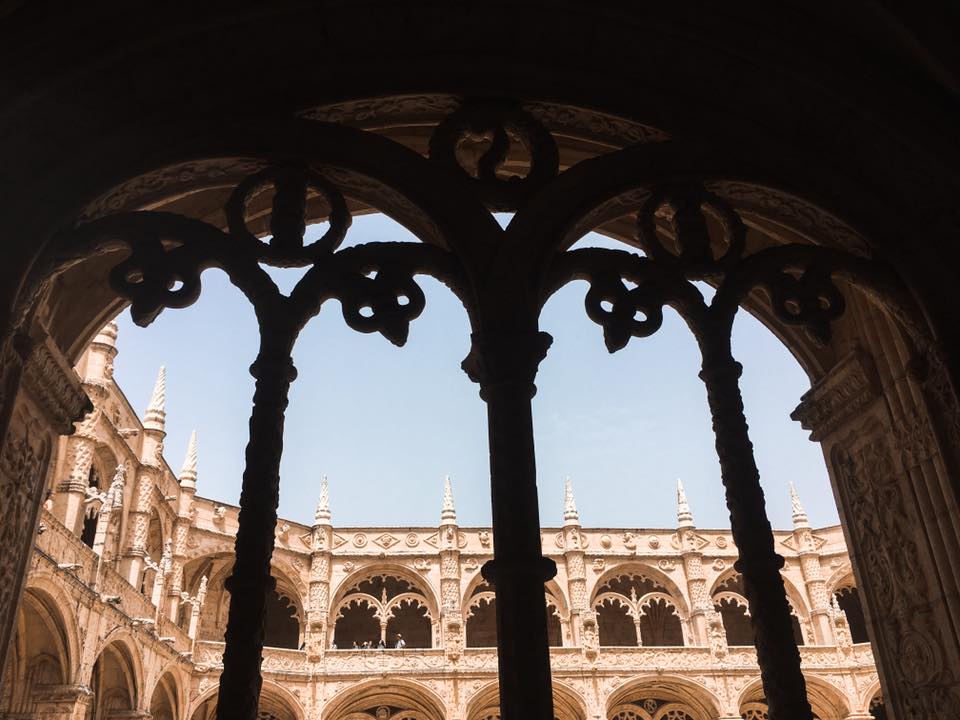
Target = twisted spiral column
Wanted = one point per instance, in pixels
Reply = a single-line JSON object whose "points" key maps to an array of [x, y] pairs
{"points": [[251, 580], [759, 563]]}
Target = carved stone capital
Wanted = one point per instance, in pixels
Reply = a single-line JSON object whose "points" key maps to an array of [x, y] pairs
{"points": [[509, 358], [839, 396], [48, 378]]}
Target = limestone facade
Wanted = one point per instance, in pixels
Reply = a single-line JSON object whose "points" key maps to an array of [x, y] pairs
{"points": [[125, 604]]}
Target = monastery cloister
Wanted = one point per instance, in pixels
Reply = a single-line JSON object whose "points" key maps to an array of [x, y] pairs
{"points": [[126, 603]]}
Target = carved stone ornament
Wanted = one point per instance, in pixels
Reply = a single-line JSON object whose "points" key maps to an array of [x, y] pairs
{"points": [[55, 385], [840, 395], [483, 155]]}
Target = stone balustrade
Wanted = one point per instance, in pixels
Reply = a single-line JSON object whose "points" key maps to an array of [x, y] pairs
{"points": [[69, 559], [209, 656]]}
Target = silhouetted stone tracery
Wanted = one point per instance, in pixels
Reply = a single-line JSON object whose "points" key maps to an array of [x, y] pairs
{"points": [[484, 157]]}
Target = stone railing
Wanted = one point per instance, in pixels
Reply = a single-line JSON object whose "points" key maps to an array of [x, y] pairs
{"points": [[70, 557], [65, 549], [209, 655]]}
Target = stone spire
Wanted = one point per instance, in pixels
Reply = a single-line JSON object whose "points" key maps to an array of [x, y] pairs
{"points": [[570, 514], [322, 515], [188, 473], [684, 516], [155, 417], [448, 513], [800, 519]]}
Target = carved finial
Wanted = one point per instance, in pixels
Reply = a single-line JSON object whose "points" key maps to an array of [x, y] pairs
{"points": [[108, 334], [322, 515], [156, 416], [799, 514], [188, 473], [570, 514], [684, 516], [448, 513]]}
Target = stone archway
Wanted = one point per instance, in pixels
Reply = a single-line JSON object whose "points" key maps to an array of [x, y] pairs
{"points": [[166, 701], [394, 699], [39, 673], [608, 204], [661, 698], [116, 680], [276, 703]]}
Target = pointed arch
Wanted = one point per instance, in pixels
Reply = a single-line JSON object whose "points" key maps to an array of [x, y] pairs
{"points": [[166, 699], [117, 677]]}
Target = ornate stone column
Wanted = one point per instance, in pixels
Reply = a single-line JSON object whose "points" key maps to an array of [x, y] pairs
{"points": [[318, 600], [48, 400], [451, 617], [867, 449], [251, 581], [70, 505], [573, 559], [112, 500], [196, 605], [181, 526], [147, 475], [759, 564], [505, 366], [700, 603], [812, 575], [165, 567]]}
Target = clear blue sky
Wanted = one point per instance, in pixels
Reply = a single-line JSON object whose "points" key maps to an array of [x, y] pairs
{"points": [[386, 424]]}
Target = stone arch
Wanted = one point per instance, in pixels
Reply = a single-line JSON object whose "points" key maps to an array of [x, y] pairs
{"points": [[847, 599], [103, 464], [276, 703], [155, 542], [558, 615], [285, 604], [729, 599], [841, 577], [384, 604], [43, 653], [392, 569], [645, 570], [827, 701], [797, 180], [568, 703], [410, 696], [286, 615], [117, 675], [479, 615], [45, 586], [872, 695], [667, 693], [166, 700], [636, 607]]}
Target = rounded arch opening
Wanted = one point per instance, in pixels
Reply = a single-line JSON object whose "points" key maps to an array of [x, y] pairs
{"points": [[667, 697]]}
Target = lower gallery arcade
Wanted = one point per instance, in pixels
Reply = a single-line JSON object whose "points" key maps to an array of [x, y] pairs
{"points": [[125, 607]]}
